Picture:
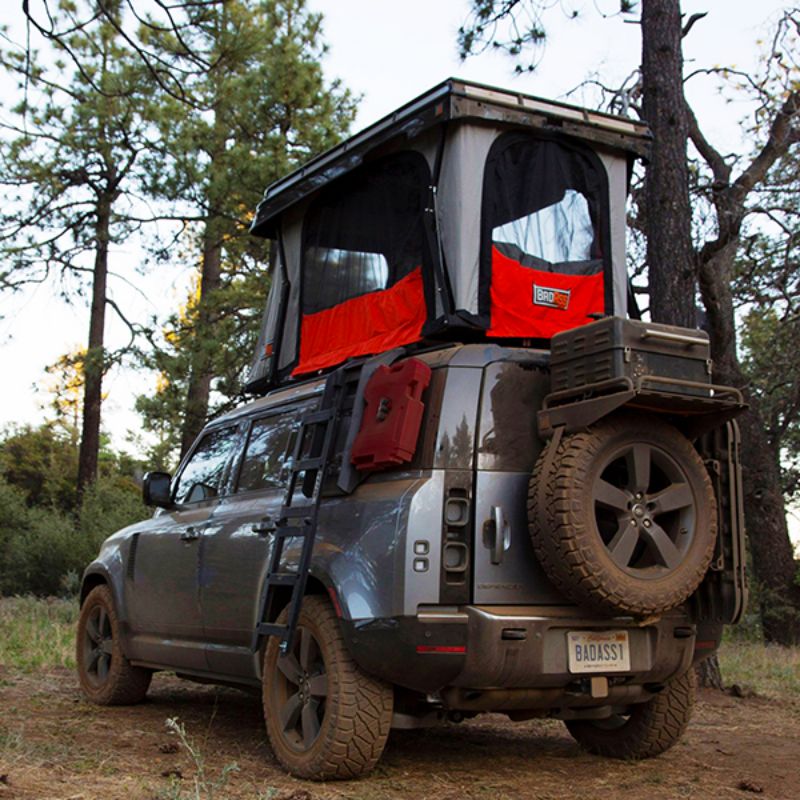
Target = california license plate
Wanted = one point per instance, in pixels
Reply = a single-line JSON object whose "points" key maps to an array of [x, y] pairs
{"points": [[598, 651]]}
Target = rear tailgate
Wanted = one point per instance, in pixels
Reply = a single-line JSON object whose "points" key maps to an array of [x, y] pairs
{"points": [[505, 569]]}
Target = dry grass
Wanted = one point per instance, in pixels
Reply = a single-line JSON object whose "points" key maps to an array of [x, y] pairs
{"points": [[37, 634], [40, 634], [769, 670]]}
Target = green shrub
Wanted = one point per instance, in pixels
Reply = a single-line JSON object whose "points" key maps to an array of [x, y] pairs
{"points": [[108, 505], [39, 553], [43, 551]]}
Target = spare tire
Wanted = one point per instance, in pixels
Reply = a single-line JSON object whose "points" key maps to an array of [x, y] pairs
{"points": [[623, 516]]}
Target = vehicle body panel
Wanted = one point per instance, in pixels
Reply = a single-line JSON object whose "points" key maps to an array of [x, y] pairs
{"points": [[193, 606]]}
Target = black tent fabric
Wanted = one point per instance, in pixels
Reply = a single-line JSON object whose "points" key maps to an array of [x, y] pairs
{"points": [[365, 232]]}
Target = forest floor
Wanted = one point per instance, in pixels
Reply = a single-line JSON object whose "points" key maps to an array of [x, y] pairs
{"points": [[56, 746]]}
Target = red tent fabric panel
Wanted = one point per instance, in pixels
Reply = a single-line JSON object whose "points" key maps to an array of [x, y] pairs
{"points": [[364, 325], [530, 303]]}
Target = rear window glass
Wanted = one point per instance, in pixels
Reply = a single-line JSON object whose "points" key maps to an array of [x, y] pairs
{"points": [[508, 440], [265, 462]]}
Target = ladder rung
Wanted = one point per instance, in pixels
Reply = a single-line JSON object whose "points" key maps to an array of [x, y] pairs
{"points": [[282, 579], [303, 464], [290, 531], [316, 417], [296, 512], [270, 629]]}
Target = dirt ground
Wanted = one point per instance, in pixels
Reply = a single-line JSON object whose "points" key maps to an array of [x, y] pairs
{"points": [[55, 745]]}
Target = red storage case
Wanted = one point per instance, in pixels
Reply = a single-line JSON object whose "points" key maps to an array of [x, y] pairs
{"points": [[392, 415]]}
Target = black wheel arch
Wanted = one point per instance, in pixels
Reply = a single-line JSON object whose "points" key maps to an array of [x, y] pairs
{"points": [[94, 578]]}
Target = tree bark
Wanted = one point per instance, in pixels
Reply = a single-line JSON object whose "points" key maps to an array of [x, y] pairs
{"points": [[765, 515], [666, 188], [94, 365], [200, 375], [709, 675], [765, 519]]}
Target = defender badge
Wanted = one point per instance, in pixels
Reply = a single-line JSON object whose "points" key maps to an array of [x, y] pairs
{"points": [[551, 298]]}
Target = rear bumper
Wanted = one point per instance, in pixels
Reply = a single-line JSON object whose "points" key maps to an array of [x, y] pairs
{"points": [[523, 647], [517, 648]]}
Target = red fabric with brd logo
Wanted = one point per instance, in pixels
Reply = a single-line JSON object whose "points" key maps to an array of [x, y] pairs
{"points": [[562, 301]]}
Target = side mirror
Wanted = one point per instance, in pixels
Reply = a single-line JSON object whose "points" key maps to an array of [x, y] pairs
{"points": [[156, 490]]}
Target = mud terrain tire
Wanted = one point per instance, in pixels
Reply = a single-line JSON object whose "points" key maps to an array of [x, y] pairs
{"points": [[106, 676], [325, 718], [623, 518], [650, 729]]}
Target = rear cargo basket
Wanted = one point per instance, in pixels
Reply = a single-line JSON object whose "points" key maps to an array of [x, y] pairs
{"points": [[650, 355]]}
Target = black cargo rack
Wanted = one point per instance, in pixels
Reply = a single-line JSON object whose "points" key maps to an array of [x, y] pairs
{"points": [[703, 407]]}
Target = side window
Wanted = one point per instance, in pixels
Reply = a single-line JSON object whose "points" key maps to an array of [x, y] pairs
{"points": [[202, 476], [267, 453], [366, 233]]}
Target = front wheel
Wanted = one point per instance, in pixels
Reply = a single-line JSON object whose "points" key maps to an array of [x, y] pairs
{"points": [[648, 730], [106, 676], [326, 719]]}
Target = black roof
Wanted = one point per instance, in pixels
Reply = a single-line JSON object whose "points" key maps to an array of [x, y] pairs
{"points": [[453, 99]]}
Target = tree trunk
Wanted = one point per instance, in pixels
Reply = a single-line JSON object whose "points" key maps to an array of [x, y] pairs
{"points": [[670, 255], [201, 371], [94, 365], [765, 513], [709, 675], [770, 547], [200, 376]]}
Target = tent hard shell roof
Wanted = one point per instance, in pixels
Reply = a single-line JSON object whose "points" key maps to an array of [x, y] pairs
{"points": [[453, 99]]}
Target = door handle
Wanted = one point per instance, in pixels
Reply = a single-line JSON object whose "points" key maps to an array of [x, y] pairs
{"points": [[265, 527], [190, 534], [497, 534]]}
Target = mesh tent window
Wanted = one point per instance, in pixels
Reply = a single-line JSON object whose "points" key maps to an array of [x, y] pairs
{"points": [[545, 255], [364, 263]]}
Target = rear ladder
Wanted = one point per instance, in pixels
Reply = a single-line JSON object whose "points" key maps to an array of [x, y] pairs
{"points": [[317, 436]]}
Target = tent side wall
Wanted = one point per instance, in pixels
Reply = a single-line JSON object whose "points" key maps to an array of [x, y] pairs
{"points": [[460, 211], [617, 170]]}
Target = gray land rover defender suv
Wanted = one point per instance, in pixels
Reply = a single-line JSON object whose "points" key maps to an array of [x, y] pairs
{"points": [[472, 478]]}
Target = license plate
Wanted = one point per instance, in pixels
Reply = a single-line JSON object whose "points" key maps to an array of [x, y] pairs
{"points": [[598, 651]]}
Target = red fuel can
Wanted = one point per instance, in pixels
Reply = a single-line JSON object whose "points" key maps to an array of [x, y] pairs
{"points": [[392, 416]]}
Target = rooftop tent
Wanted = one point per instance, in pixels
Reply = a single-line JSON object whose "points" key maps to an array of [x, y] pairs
{"points": [[469, 213]]}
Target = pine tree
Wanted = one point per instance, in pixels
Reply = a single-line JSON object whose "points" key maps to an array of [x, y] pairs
{"points": [[260, 108], [66, 164]]}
